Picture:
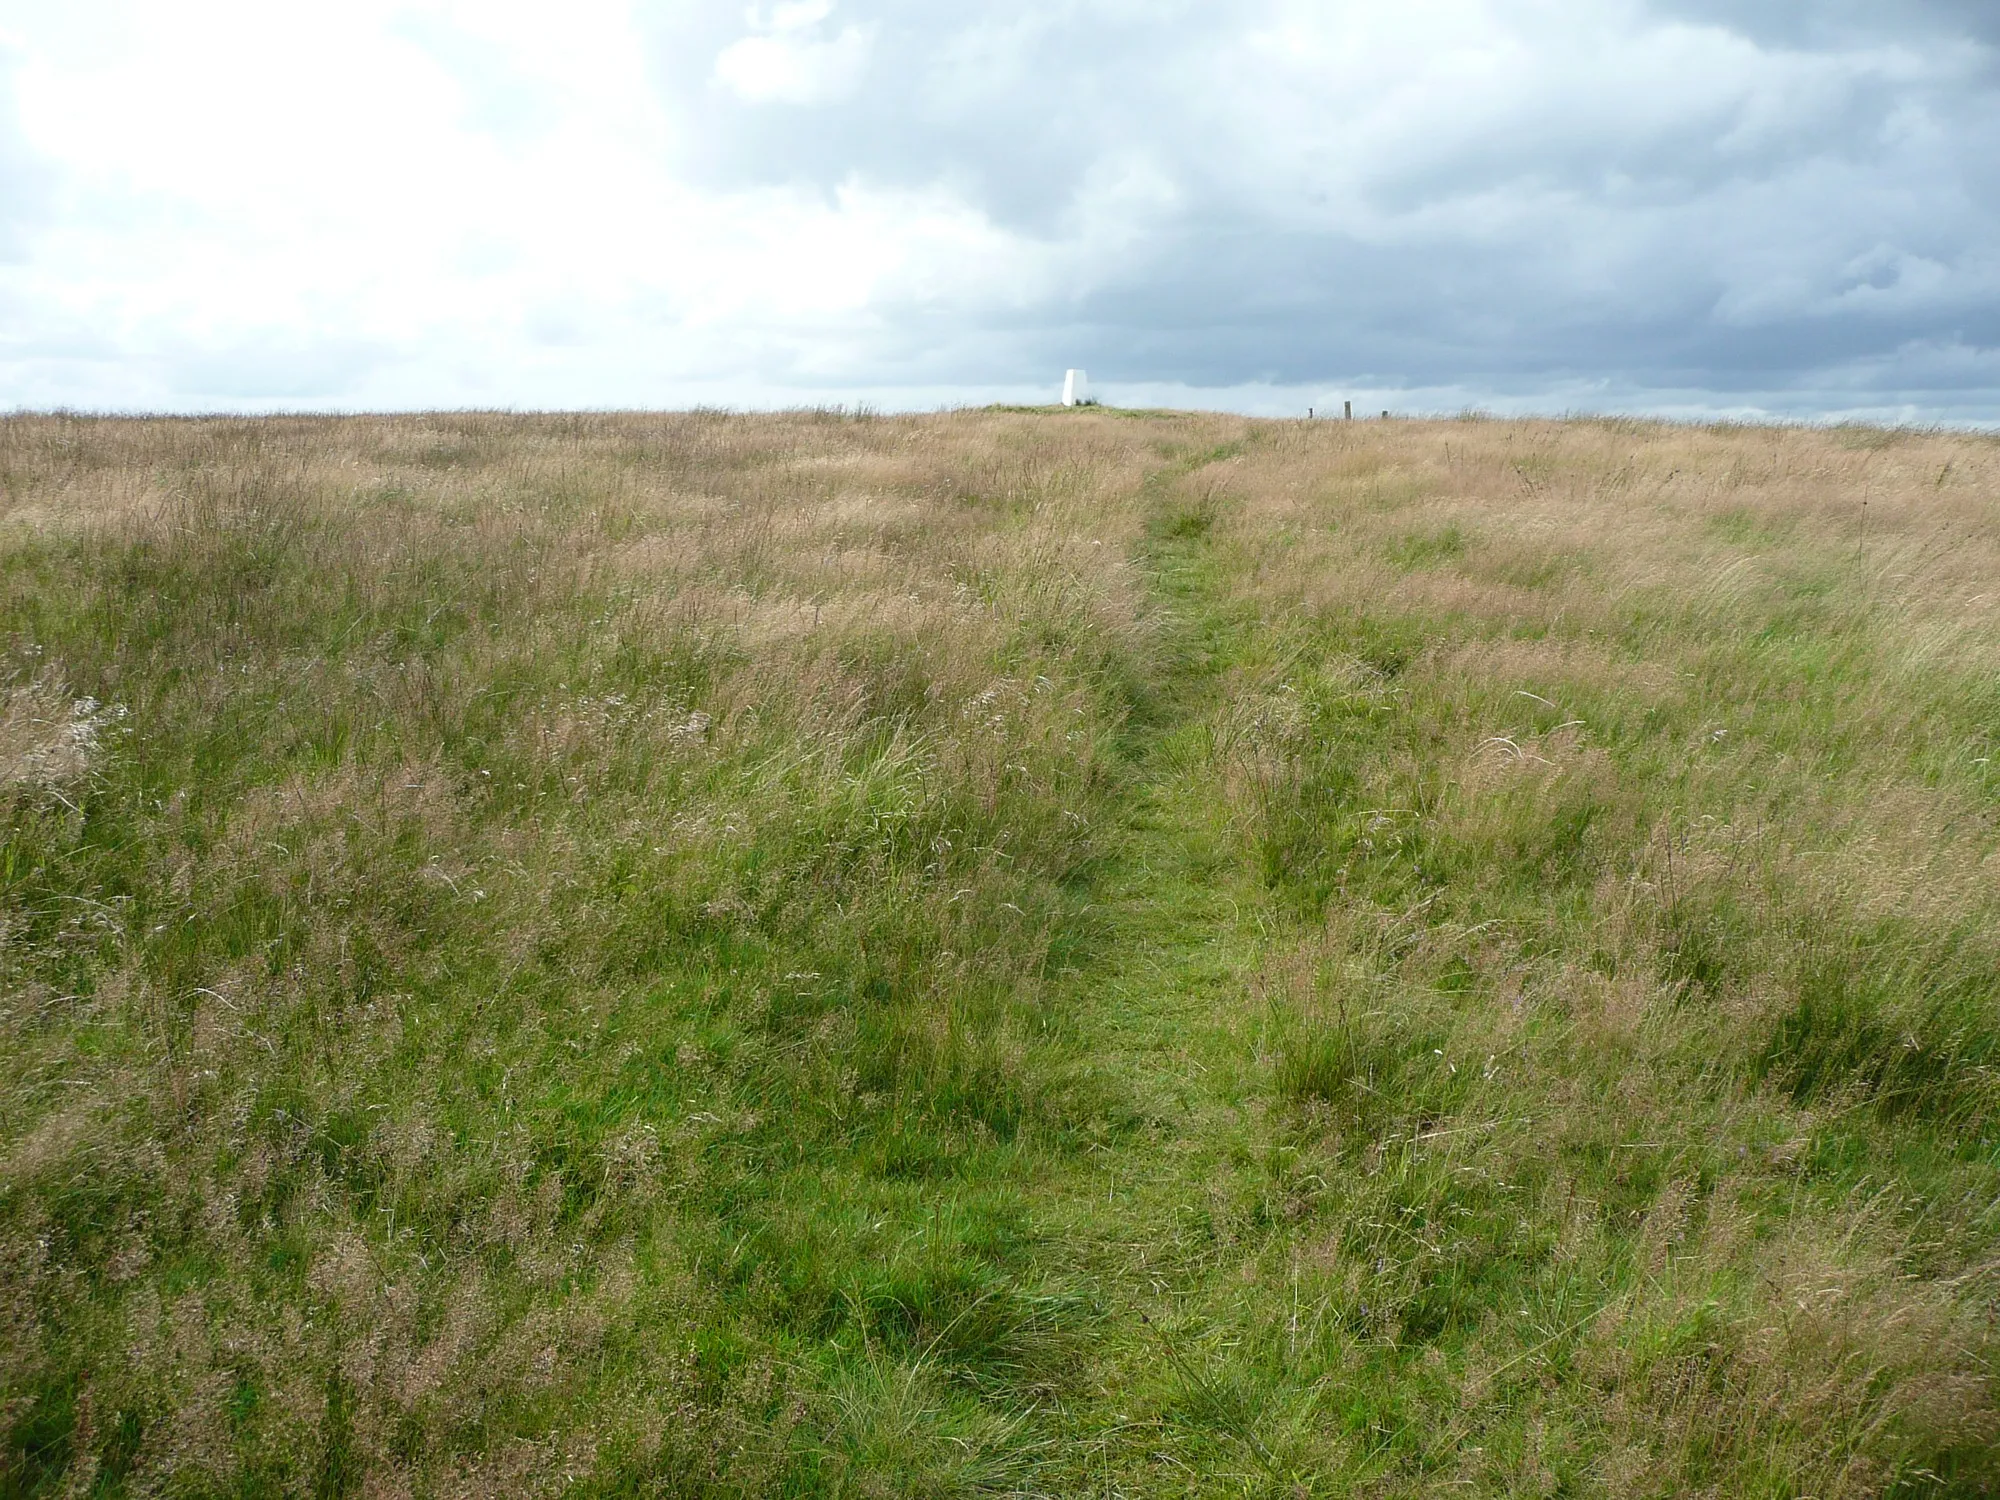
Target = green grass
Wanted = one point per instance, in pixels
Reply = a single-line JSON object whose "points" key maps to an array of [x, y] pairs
{"points": [[1001, 953]]}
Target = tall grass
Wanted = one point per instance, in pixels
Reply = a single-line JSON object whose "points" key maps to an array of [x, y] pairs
{"points": [[1001, 952]]}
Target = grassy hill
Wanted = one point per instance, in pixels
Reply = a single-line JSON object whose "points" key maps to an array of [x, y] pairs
{"points": [[1055, 953]]}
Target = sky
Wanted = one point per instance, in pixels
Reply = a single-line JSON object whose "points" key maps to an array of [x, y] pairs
{"points": [[1738, 208]]}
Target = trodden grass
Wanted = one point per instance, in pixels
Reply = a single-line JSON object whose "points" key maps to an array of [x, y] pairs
{"points": [[1076, 954]]}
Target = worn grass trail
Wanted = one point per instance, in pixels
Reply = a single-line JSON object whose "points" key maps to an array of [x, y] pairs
{"points": [[1123, 1236], [1173, 1023], [1158, 1223]]}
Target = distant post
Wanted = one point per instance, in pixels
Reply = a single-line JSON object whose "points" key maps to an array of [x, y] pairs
{"points": [[1075, 386], [1347, 410]]}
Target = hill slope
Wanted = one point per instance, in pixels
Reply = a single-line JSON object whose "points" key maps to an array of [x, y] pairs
{"points": [[1083, 954]]}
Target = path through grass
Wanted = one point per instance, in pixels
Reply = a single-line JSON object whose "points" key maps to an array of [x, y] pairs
{"points": [[1073, 954]]}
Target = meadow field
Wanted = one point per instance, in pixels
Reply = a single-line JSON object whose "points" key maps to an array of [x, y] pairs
{"points": [[1001, 953]]}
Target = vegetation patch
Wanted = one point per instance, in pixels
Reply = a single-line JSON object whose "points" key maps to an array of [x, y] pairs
{"points": [[1128, 954]]}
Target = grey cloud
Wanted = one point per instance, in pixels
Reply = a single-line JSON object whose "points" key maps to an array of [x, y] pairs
{"points": [[1804, 198], [1008, 104], [1231, 308], [1766, 237], [1839, 22], [1012, 103]]}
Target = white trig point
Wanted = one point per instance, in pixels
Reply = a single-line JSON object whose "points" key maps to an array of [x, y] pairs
{"points": [[1076, 385]]}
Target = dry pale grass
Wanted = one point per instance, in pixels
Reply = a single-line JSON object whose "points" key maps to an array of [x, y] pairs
{"points": [[704, 954], [47, 738]]}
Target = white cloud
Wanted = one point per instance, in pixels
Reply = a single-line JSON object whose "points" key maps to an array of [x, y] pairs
{"points": [[788, 61], [474, 201]]}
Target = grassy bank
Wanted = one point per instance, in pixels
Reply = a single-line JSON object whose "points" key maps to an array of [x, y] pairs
{"points": [[1072, 954]]}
